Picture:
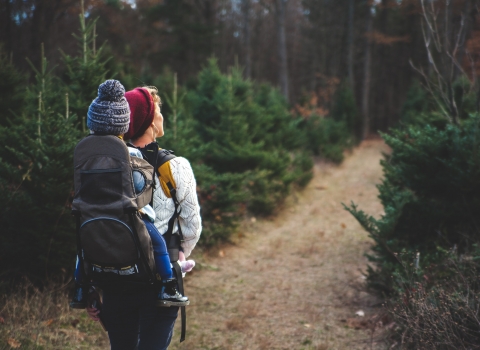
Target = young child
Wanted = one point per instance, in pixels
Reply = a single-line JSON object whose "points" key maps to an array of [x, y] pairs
{"points": [[148, 217], [109, 114]]}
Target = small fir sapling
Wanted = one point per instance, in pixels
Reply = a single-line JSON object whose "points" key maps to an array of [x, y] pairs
{"points": [[85, 71]]}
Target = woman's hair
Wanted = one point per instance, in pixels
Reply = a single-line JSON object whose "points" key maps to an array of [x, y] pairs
{"points": [[156, 99]]}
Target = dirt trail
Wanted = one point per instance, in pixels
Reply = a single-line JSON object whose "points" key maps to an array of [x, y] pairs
{"points": [[291, 282]]}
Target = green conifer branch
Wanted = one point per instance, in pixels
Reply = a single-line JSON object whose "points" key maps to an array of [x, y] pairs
{"points": [[39, 121]]}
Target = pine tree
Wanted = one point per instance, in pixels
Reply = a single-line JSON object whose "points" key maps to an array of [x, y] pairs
{"points": [[180, 134], [36, 177], [36, 182], [431, 197], [345, 110], [85, 71], [249, 149]]}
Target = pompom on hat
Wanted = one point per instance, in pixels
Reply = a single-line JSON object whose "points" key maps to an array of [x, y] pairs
{"points": [[109, 113], [142, 111]]}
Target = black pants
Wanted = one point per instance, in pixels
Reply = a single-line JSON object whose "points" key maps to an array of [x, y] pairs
{"points": [[134, 322]]}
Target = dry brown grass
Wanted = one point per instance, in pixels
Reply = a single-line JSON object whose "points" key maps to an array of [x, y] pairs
{"points": [[41, 319]]}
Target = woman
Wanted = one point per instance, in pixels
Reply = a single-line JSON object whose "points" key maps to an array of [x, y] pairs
{"points": [[132, 316], [146, 125]]}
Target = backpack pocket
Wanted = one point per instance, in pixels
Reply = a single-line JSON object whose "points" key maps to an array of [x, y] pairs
{"points": [[110, 252], [108, 242], [101, 186]]}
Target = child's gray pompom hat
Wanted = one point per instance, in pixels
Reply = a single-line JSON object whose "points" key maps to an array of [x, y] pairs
{"points": [[109, 113]]}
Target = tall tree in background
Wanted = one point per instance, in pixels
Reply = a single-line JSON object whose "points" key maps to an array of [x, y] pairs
{"points": [[443, 39], [25, 25], [367, 72], [182, 34], [317, 42], [280, 15], [85, 71], [351, 45], [247, 42]]}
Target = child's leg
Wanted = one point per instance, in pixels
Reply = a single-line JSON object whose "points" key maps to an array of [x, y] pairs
{"points": [[79, 300], [168, 294], [160, 253], [79, 273]]}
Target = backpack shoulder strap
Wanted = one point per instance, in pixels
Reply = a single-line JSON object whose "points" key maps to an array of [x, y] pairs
{"points": [[169, 187], [164, 171], [160, 158]]}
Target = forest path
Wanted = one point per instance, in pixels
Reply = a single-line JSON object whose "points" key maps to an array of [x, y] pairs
{"points": [[292, 282]]}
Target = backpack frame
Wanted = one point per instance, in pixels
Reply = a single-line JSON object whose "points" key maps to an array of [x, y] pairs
{"points": [[112, 241]]}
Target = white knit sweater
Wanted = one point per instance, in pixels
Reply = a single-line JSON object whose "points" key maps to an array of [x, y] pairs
{"points": [[190, 219]]}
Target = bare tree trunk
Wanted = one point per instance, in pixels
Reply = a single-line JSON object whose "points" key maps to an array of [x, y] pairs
{"points": [[324, 34], [466, 18], [280, 7], [351, 12], [45, 14], [223, 60], [448, 36], [247, 44], [384, 68], [449, 67], [313, 75], [367, 78], [37, 30]]}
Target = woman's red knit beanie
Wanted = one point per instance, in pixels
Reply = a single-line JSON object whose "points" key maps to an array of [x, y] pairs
{"points": [[142, 110]]}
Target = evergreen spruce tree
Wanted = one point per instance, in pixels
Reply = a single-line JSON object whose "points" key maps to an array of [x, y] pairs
{"points": [[180, 134], [85, 71], [345, 110], [327, 137], [431, 197], [249, 148], [36, 183], [36, 168]]}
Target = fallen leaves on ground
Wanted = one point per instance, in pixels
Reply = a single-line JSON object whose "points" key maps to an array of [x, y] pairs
{"points": [[15, 344], [48, 323]]}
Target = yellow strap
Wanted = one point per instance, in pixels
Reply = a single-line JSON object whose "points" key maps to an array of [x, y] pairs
{"points": [[165, 177]]}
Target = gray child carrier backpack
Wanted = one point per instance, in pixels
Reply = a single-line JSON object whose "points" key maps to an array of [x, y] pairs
{"points": [[112, 240]]}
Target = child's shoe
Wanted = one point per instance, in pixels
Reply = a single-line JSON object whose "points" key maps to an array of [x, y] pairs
{"points": [[187, 266], [79, 300], [169, 295]]}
